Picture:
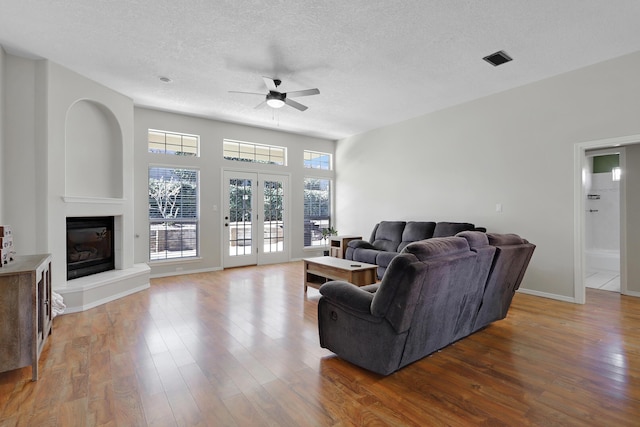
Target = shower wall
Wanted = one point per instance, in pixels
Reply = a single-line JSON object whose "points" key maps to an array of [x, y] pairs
{"points": [[602, 223]]}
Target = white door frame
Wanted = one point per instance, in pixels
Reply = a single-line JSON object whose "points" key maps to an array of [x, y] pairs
{"points": [[579, 207], [257, 238]]}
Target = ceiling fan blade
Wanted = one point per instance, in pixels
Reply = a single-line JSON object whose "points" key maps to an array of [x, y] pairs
{"points": [[270, 83], [261, 104], [246, 93], [303, 92], [294, 104]]}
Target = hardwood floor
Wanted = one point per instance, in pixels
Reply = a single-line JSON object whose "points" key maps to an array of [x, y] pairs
{"points": [[240, 348]]}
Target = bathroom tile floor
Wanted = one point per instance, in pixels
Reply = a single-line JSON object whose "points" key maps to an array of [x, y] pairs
{"points": [[604, 280]]}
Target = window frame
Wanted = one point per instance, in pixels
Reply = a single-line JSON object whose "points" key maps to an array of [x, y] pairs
{"points": [[254, 159], [176, 153], [324, 242], [195, 219], [321, 153]]}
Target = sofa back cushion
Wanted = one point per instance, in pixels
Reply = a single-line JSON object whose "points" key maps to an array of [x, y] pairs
{"points": [[496, 239], [397, 292], [388, 235], [415, 231], [510, 263], [478, 243], [402, 282], [431, 249], [423, 290], [445, 229]]}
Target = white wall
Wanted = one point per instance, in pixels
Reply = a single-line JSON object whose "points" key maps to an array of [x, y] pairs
{"points": [[211, 163], [19, 168], [514, 148], [93, 147], [37, 152], [64, 90]]}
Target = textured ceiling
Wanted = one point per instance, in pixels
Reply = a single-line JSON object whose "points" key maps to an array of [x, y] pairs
{"points": [[375, 62]]}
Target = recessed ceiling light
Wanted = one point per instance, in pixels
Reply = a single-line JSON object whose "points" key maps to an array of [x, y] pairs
{"points": [[497, 58], [165, 79]]}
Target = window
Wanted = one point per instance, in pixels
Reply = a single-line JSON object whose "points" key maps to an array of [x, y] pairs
{"points": [[317, 160], [254, 153], [173, 143], [317, 210], [616, 173], [173, 213]]}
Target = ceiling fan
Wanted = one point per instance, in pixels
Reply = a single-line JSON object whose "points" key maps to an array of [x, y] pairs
{"points": [[277, 99]]}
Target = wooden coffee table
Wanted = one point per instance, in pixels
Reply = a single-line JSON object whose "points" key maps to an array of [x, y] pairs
{"points": [[320, 270]]}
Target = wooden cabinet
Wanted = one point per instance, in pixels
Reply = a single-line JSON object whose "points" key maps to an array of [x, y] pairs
{"points": [[25, 311], [338, 245]]}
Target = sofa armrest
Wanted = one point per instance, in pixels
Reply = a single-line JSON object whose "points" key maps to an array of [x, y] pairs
{"points": [[356, 244], [348, 296]]}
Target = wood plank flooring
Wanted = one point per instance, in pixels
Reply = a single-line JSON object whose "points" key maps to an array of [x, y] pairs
{"points": [[240, 348]]}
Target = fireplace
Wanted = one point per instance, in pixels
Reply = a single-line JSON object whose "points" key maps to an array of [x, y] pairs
{"points": [[89, 246]]}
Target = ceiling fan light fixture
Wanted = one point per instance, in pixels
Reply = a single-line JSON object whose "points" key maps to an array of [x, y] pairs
{"points": [[275, 99], [275, 102]]}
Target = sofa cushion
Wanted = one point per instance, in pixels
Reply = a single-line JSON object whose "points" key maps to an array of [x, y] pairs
{"points": [[437, 247], [513, 254], [415, 231], [445, 229], [397, 293], [476, 239], [505, 239], [365, 255], [388, 235], [384, 258], [478, 243]]}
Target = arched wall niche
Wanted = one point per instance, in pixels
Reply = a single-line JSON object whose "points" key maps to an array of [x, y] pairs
{"points": [[93, 151]]}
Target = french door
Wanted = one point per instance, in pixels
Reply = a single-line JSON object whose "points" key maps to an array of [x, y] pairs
{"points": [[255, 219]]}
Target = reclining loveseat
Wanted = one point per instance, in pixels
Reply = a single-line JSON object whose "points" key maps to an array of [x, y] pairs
{"points": [[433, 293], [389, 238]]}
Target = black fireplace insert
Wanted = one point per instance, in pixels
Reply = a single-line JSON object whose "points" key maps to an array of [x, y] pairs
{"points": [[89, 246]]}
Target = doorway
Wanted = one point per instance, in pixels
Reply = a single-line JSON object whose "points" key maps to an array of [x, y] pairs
{"points": [[255, 218], [602, 218], [581, 170]]}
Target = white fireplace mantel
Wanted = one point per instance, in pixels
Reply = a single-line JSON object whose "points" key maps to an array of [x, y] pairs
{"points": [[91, 200]]}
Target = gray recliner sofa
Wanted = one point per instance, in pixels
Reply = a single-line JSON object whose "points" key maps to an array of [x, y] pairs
{"points": [[388, 238], [434, 292], [513, 254]]}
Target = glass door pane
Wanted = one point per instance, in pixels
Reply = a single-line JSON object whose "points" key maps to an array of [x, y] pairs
{"points": [[273, 196], [239, 224]]}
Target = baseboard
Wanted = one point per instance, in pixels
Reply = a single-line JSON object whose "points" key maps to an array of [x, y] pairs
{"points": [[564, 298], [547, 295], [184, 272], [632, 293]]}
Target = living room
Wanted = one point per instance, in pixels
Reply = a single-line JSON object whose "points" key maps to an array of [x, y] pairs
{"points": [[519, 175], [519, 149]]}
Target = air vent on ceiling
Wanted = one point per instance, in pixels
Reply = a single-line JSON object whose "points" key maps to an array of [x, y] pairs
{"points": [[497, 58]]}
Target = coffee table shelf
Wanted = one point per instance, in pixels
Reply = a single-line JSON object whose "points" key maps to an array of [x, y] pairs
{"points": [[320, 270]]}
